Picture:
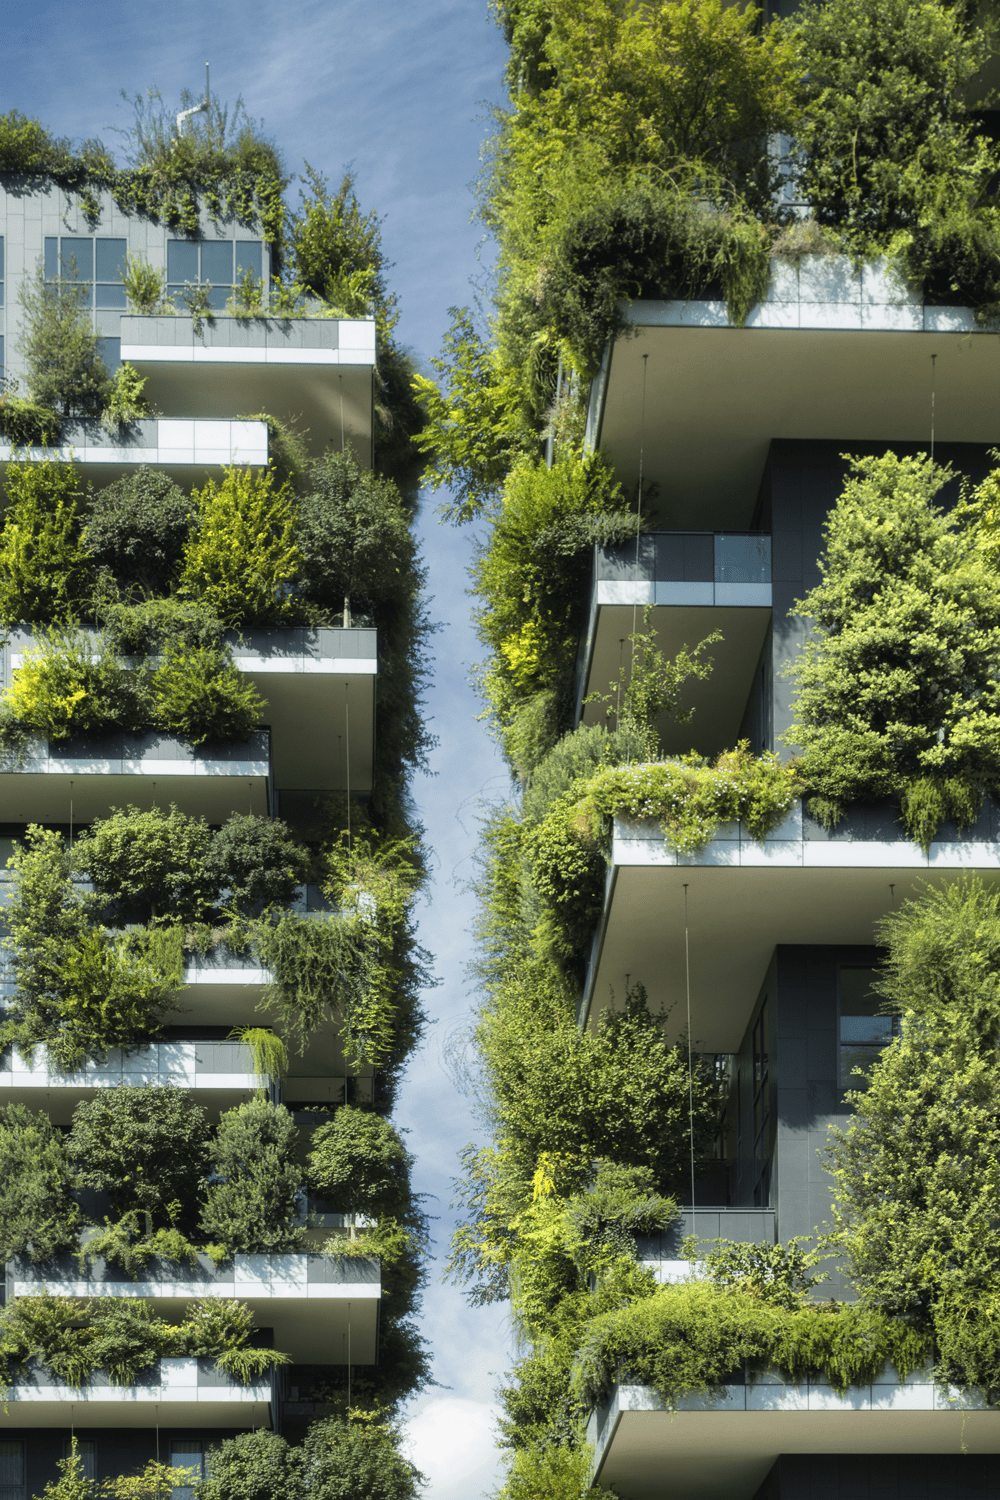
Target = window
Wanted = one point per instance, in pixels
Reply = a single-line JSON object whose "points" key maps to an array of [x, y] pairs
{"points": [[98, 263], [1, 356], [186, 1454], [1, 279], [761, 1111], [87, 1452], [111, 353], [216, 262], [11, 1471], [864, 1033]]}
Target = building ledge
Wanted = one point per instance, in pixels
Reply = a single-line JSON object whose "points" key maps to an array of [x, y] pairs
{"points": [[224, 338], [190, 449], [722, 1448], [191, 1392]]}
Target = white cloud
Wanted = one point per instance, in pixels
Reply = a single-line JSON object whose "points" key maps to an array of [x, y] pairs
{"points": [[452, 1442]]}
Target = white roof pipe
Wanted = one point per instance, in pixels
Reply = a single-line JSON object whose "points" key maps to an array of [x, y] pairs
{"points": [[199, 109]]}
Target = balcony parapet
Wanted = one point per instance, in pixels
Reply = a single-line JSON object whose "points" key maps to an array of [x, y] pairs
{"points": [[194, 1393], [741, 1430], [230, 340], [198, 444], [661, 1253]]}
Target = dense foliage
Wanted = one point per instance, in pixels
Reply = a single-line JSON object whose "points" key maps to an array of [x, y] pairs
{"points": [[252, 1199], [897, 690], [37, 1215], [354, 1459]]}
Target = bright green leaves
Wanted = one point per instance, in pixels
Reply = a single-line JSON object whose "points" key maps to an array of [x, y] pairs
{"points": [[242, 557], [45, 569], [897, 690]]}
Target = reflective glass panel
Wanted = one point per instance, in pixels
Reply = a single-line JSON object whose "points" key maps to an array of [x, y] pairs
{"points": [[11, 1471], [87, 1452], [51, 259], [217, 262], [186, 1455], [111, 296], [219, 296], [863, 1031], [78, 252], [1, 356], [1, 257], [249, 257], [182, 261], [111, 259], [742, 559], [111, 353]]}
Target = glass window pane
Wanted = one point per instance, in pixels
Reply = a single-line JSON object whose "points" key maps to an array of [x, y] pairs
{"points": [[87, 1452], [182, 260], [742, 559], [78, 252], [111, 353], [217, 262], [11, 1471], [51, 259], [1, 294], [112, 296], [176, 295], [1, 257], [249, 257], [1, 356], [218, 297], [111, 259]]}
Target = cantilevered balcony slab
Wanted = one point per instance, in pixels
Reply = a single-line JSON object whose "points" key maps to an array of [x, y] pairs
{"points": [[801, 885], [696, 583], [172, 1392], [316, 371], [323, 1309], [722, 1448], [320, 692], [77, 780], [215, 1072], [831, 353], [191, 451]]}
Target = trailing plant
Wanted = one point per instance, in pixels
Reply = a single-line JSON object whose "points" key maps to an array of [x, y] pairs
{"points": [[70, 1338], [287, 451], [133, 1245], [242, 557], [124, 403], [197, 301], [265, 1052], [25, 424], [250, 1204], [897, 696]]}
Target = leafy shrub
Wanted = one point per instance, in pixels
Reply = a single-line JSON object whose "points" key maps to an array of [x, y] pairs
{"points": [[352, 534], [253, 1466], [77, 989], [359, 1164], [45, 571], [154, 866], [897, 696], [137, 528], [64, 366], [67, 684], [256, 861], [124, 403], [145, 286], [251, 1201], [242, 558], [37, 1214], [348, 1459], [129, 1243], [200, 695], [147, 1147], [25, 424]]}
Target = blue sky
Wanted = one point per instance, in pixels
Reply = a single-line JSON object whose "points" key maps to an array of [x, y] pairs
{"points": [[400, 92]]}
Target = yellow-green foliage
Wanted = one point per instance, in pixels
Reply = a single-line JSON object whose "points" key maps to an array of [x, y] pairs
{"points": [[199, 694], [69, 685], [45, 572], [242, 557]]}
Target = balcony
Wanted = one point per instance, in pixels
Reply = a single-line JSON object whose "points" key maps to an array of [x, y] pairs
{"points": [[723, 1448], [320, 691], [190, 451], [697, 582], [661, 1253], [173, 1392], [804, 884], [323, 1309], [315, 370], [77, 780], [832, 353]]}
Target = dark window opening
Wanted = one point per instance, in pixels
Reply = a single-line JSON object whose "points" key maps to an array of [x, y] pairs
{"points": [[865, 1030]]}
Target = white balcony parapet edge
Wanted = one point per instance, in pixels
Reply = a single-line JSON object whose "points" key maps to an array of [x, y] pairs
{"points": [[642, 844], [178, 1382], [276, 1277], [200, 442], [159, 1063], [706, 595]]}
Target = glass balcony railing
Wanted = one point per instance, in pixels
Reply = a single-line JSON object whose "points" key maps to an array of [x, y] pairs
{"points": [[720, 557]]}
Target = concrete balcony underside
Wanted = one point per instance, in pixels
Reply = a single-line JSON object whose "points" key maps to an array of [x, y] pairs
{"points": [[722, 1449], [320, 692], [831, 353], [191, 450], [323, 1309], [173, 1393], [317, 372], [802, 885], [79, 780]]}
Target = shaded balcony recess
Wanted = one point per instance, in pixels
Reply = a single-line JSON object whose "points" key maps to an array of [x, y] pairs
{"points": [[696, 583]]}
